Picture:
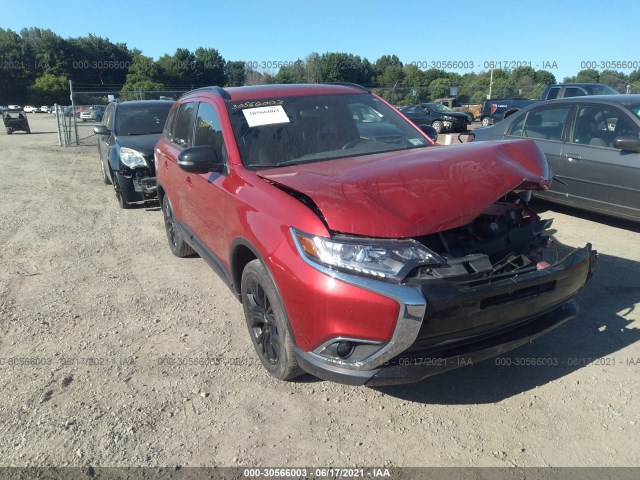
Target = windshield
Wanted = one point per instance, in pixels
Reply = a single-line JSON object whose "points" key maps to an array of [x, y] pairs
{"points": [[292, 130], [600, 90], [141, 121]]}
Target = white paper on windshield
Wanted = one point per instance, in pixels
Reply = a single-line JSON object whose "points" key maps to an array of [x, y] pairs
{"points": [[265, 115]]}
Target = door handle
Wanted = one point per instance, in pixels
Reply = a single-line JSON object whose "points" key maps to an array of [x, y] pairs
{"points": [[572, 157], [189, 183]]}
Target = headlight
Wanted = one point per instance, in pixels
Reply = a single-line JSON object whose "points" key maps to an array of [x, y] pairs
{"points": [[447, 117], [132, 158], [379, 258]]}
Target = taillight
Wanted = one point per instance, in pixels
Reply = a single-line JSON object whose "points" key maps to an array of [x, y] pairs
{"points": [[494, 107]]}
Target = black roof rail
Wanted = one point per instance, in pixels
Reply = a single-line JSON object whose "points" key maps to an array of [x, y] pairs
{"points": [[219, 90], [349, 84]]}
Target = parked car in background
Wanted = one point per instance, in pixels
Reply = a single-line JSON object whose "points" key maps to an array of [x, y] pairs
{"points": [[497, 109], [14, 107], [566, 90], [592, 144], [93, 114], [126, 139], [45, 109], [361, 255], [80, 109], [372, 125], [29, 109], [439, 116], [472, 109]]}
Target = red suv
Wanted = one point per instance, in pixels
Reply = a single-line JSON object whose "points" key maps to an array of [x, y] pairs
{"points": [[362, 253]]}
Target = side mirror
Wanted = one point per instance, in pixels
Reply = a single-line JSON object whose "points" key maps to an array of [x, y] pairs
{"points": [[429, 131], [627, 142], [200, 159], [101, 130]]}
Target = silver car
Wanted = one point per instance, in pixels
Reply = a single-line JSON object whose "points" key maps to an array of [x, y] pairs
{"points": [[592, 145]]}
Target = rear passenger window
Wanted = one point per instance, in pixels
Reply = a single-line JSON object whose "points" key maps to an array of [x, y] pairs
{"points": [[547, 123], [180, 132], [553, 93], [517, 127], [573, 92], [207, 129]]}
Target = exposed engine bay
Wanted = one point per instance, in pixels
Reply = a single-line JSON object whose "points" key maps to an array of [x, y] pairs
{"points": [[507, 237]]}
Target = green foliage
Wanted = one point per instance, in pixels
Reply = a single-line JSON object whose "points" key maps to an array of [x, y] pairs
{"points": [[209, 67], [589, 75], [143, 76], [49, 89], [544, 77], [17, 72], [235, 73], [36, 62]]}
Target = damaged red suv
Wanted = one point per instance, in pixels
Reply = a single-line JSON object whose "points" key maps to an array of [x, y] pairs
{"points": [[361, 253]]}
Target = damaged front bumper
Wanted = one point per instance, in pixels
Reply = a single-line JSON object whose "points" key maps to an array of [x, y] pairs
{"points": [[138, 185], [145, 185], [444, 325]]}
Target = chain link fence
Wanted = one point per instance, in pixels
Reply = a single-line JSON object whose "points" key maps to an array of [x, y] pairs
{"points": [[88, 103], [76, 121]]}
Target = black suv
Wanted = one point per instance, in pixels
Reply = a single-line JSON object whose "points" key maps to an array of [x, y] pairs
{"points": [[440, 117], [577, 90], [126, 138]]}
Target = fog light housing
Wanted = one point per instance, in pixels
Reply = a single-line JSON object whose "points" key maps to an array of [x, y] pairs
{"points": [[344, 348]]}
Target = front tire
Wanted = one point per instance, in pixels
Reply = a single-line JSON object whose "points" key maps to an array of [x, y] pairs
{"points": [[105, 177], [267, 322], [178, 246], [117, 187], [438, 125]]}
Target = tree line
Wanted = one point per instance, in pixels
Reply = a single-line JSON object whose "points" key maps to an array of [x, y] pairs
{"points": [[36, 66]]}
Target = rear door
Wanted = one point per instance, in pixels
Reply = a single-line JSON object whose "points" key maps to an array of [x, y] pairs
{"points": [[547, 126], [179, 137], [600, 176], [105, 141]]}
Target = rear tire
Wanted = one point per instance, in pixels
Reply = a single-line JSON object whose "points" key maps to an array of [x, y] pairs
{"points": [[266, 320], [485, 122], [178, 246]]}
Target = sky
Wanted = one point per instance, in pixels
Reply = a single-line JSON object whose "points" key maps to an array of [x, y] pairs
{"points": [[562, 37]]}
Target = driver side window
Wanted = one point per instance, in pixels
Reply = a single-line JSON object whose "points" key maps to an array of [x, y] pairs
{"points": [[180, 133], [207, 129]]}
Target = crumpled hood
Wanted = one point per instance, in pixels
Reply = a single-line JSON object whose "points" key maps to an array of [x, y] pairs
{"points": [[415, 192], [142, 143]]}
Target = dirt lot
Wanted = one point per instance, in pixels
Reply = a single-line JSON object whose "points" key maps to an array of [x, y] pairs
{"points": [[101, 327]]}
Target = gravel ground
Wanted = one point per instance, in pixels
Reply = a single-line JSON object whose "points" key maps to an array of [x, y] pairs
{"points": [[103, 330]]}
